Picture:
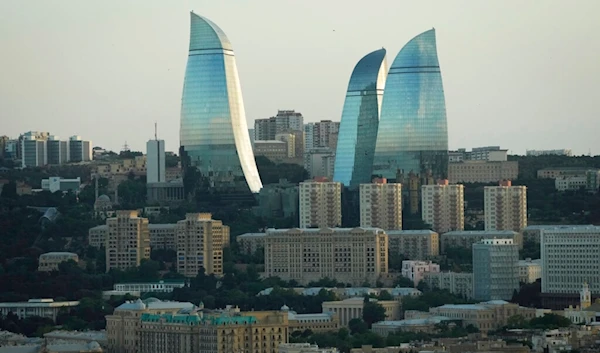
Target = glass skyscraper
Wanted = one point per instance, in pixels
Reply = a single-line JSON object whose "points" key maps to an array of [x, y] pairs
{"points": [[214, 132], [360, 118], [413, 132]]}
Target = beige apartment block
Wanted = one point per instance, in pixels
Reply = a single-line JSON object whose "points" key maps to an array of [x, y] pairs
{"points": [[320, 204], [414, 244], [381, 205], [50, 260], [530, 270], [200, 243], [443, 206], [348, 255], [352, 308], [457, 283], [274, 150], [466, 238], [482, 171], [162, 236], [505, 207], [248, 243], [128, 241]]}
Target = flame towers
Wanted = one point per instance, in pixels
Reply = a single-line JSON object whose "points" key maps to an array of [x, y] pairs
{"points": [[213, 133], [360, 118], [413, 133]]}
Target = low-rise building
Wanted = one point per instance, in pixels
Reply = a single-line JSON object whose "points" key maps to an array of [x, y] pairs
{"points": [[248, 243], [167, 193], [162, 286], [97, 236], [414, 244], [457, 283], [47, 308], [557, 172], [416, 270], [589, 181], [352, 308], [81, 337], [482, 171], [274, 150], [91, 347], [50, 260], [427, 325], [530, 270], [304, 348], [466, 238], [317, 322], [54, 184], [485, 316]]}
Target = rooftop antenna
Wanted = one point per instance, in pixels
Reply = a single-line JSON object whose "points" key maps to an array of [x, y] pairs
{"points": [[155, 132]]}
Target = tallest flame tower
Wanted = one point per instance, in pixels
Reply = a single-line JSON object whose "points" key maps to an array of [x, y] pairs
{"points": [[214, 133]]}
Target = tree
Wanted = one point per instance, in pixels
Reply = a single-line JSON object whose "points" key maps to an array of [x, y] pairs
{"points": [[404, 282], [372, 312], [357, 326], [9, 190], [385, 295]]}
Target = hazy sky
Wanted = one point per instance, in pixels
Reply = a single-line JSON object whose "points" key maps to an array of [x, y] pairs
{"points": [[519, 74]]}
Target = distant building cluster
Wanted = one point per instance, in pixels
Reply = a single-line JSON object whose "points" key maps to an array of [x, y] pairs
{"points": [[38, 149], [481, 165], [560, 152]]}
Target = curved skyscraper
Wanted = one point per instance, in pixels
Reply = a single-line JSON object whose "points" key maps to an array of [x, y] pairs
{"points": [[214, 133], [413, 132], [360, 118]]}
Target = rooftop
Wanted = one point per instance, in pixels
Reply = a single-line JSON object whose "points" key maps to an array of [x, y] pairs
{"points": [[36, 303], [161, 226], [251, 235], [80, 335], [320, 230], [58, 253], [153, 304], [195, 319], [414, 322], [482, 232], [409, 232]]}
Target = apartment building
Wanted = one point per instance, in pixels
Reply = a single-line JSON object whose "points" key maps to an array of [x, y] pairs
{"points": [[505, 207], [319, 162], [49, 261], [128, 240], [249, 243], [352, 308], [530, 270], [348, 255], [200, 242], [320, 204], [123, 326], [482, 171], [381, 205], [414, 244], [569, 258], [416, 270], [274, 150], [227, 331], [466, 238], [443, 206], [457, 283], [495, 269], [162, 236]]}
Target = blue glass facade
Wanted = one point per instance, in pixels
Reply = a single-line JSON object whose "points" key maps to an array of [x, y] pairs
{"points": [[360, 118], [413, 132], [214, 133]]}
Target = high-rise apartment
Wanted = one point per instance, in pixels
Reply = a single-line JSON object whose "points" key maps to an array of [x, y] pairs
{"points": [[360, 119], [33, 149], [323, 133], [155, 161], [320, 204], [347, 255], [505, 207], [284, 121], [413, 132], [128, 240], [495, 269], [381, 205], [569, 257], [200, 241], [79, 150], [443, 206], [214, 133], [57, 151]]}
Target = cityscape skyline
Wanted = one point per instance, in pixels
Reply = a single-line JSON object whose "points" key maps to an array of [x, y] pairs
{"points": [[81, 87]]}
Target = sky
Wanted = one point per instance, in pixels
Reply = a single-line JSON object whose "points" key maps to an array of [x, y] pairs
{"points": [[518, 74]]}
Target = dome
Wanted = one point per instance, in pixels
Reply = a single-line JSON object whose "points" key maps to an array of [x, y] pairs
{"points": [[151, 300], [285, 308], [94, 346], [132, 305], [103, 198]]}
